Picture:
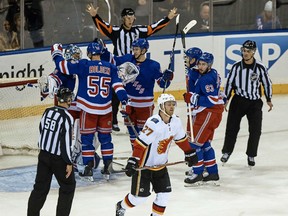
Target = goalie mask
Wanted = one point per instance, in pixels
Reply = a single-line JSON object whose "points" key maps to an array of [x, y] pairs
{"points": [[127, 72], [165, 98], [64, 95], [72, 52]]}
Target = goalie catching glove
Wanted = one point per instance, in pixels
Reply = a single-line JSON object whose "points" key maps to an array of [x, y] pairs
{"points": [[56, 50], [128, 72], [191, 158], [132, 165], [126, 108]]}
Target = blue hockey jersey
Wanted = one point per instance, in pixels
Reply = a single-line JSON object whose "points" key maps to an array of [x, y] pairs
{"points": [[207, 86], [96, 78]]}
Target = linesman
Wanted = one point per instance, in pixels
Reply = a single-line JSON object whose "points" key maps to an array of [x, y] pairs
{"points": [[245, 79], [55, 141]]}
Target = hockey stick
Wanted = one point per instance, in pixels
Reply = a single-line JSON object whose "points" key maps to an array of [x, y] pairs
{"points": [[152, 167], [132, 125], [183, 33], [173, 47]]}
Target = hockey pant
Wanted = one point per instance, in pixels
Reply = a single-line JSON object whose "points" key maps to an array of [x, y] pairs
{"points": [[206, 159]]}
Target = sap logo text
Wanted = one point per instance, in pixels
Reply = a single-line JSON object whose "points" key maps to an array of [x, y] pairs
{"points": [[27, 72], [269, 50]]}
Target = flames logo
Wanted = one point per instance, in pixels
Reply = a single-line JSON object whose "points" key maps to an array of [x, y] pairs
{"points": [[163, 144]]}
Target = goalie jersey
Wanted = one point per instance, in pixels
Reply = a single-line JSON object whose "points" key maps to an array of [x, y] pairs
{"points": [[154, 141], [96, 78]]}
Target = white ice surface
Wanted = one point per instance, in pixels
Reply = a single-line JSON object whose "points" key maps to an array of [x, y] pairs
{"points": [[262, 191]]}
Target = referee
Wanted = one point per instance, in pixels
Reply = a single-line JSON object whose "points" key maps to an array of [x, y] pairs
{"points": [[122, 37], [245, 79], [56, 128]]}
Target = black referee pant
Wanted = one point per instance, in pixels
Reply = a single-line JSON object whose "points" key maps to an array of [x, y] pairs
{"points": [[240, 107], [49, 164]]}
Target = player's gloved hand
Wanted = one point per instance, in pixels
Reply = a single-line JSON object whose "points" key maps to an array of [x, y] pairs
{"points": [[126, 108], [222, 96], [191, 97], [56, 49], [132, 165], [191, 157], [168, 75]]}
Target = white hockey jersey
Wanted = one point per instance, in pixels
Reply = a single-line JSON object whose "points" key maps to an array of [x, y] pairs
{"points": [[152, 145]]}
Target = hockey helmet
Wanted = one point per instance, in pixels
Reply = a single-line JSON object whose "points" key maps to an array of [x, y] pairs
{"points": [[194, 52], [94, 48], [72, 52], [249, 45], [207, 57], [127, 12], [100, 41], [64, 94], [164, 98], [142, 43]]}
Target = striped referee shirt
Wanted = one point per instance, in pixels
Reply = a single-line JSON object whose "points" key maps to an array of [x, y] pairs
{"points": [[122, 38], [56, 128], [246, 81]]}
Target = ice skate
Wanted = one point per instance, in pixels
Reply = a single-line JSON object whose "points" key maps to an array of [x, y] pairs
{"points": [[212, 179], [119, 210], [251, 162], [87, 173], [194, 180], [107, 170], [189, 172], [224, 158]]}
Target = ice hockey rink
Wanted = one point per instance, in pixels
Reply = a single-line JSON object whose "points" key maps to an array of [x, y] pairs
{"points": [[261, 191]]}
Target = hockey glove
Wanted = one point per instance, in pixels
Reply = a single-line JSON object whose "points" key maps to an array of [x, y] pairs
{"points": [[191, 97], [132, 165], [126, 108], [191, 158], [57, 49], [168, 75]]}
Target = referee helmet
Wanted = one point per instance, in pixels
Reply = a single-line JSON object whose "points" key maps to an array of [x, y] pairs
{"points": [[64, 94]]}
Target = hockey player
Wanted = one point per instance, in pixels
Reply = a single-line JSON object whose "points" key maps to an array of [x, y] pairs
{"points": [[56, 80], [207, 112], [96, 78], [151, 148], [141, 91], [192, 56]]}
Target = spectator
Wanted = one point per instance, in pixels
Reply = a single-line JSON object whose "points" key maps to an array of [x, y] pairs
{"points": [[203, 20], [33, 19], [266, 20], [10, 36]]}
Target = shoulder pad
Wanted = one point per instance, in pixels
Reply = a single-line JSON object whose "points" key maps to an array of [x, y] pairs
{"points": [[155, 120]]}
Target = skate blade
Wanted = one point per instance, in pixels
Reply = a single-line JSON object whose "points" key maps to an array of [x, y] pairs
{"points": [[106, 177], [212, 183], [196, 184], [87, 178]]}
